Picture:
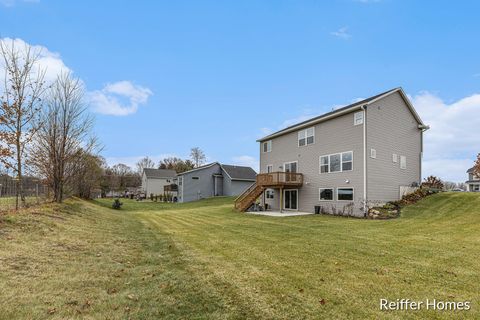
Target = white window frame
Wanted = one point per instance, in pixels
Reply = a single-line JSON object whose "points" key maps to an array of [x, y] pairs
{"points": [[341, 162], [269, 146], [353, 193], [305, 136], [325, 188], [269, 166], [373, 153], [269, 194], [403, 162], [394, 158], [358, 120], [288, 162]]}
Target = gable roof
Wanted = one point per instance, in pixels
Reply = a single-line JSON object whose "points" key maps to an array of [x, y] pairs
{"points": [[347, 109], [159, 173], [239, 172], [205, 166], [470, 170]]}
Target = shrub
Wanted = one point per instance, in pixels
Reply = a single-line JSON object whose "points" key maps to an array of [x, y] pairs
{"points": [[117, 204], [151, 196], [433, 183]]}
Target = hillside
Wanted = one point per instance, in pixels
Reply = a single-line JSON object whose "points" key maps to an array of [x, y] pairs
{"points": [[202, 260]]}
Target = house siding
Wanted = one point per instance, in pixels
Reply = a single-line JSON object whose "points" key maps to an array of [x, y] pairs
{"points": [[203, 187], [333, 136], [391, 129], [154, 185], [235, 187]]}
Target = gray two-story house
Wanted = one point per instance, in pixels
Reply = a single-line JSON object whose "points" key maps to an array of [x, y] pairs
{"points": [[473, 181], [342, 161]]}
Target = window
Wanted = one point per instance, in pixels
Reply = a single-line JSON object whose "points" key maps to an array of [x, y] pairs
{"points": [[357, 118], [269, 194], [195, 178], [373, 153], [337, 162], [267, 146], [394, 158], [345, 194], [326, 194], [269, 168], [403, 162], [306, 137], [347, 161]]}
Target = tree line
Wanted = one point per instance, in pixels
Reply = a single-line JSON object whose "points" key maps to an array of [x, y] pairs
{"points": [[46, 131]]}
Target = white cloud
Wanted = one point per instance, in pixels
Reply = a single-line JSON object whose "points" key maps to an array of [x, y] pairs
{"points": [[47, 61], [342, 33], [452, 143], [248, 161], [109, 99]]}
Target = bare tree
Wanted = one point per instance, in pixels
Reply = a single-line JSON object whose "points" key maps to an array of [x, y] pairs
{"points": [[65, 129], [143, 164], [197, 155], [20, 103], [177, 164], [87, 174]]}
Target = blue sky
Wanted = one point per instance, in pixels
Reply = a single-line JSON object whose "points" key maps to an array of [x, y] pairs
{"points": [[165, 76]]}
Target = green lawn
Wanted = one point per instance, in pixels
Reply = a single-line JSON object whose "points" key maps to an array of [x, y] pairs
{"points": [[204, 261]]}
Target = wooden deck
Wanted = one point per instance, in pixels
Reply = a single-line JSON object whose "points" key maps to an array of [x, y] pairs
{"points": [[279, 179]]}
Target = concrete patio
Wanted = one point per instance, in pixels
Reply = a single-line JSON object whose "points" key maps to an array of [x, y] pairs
{"points": [[278, 213]]}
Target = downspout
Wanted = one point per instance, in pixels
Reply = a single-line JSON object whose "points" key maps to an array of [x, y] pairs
{"points": [[423, 128], [364, 160]]}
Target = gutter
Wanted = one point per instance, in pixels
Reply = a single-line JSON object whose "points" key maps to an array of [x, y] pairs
{"points": [[364, 108]]}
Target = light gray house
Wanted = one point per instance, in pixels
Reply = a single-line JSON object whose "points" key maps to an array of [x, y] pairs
{"points": [[154, 180], [473, 182], [342, 161], [212, 180]]}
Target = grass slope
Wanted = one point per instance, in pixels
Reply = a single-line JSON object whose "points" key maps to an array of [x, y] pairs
{"points": [[204, 261]]}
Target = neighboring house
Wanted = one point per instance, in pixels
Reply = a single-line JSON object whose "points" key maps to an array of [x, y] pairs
{"points": [[212, 180], [154, 180], [342, 161], [473, 183]]}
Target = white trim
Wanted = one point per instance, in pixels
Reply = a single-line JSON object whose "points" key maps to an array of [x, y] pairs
{"points": [[306, 137], [373, 153], [324, 188], [284, 208], [403, 162], [364, 160], [353, 193], [268, 142], [341, 162], [269, 165], [355, 118], [394, 158]]}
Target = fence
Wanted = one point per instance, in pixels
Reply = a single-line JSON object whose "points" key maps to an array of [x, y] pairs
{"points": [[35, 192]]}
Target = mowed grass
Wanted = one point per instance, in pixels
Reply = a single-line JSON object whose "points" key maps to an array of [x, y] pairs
{"points": [[204, 261]]}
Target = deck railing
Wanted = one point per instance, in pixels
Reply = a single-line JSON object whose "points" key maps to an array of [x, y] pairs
{"points": [[279, 179]]}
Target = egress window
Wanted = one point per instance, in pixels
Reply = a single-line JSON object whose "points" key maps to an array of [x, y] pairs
{"points": [[345, 194], [326, 194], [306, 137]]}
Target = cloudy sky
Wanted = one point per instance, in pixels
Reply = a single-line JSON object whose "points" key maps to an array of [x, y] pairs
{"points": [[165, 76]]}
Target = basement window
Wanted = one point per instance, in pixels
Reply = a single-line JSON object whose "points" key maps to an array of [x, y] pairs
{"points": [[326, 194], [345, 194]]}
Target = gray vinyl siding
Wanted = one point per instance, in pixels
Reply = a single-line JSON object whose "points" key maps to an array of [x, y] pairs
{"points": [[333, 136], [391, 129], [154, 185], [193, 189], [234, 187]]}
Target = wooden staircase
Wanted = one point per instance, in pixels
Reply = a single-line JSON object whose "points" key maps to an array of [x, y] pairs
{"points": [[248, 197]]}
